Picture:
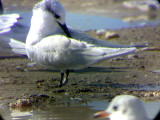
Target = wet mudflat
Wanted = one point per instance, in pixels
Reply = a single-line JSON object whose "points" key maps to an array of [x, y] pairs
{"points": [[137, 74]]}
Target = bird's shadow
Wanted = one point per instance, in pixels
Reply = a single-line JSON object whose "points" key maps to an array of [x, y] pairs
{"points": [[89, 70]]}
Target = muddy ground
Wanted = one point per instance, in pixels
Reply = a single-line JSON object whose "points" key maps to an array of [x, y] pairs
{"points": [[132, 74]]}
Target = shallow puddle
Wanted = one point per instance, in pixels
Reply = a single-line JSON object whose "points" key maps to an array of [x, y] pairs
{"points": [[130, 86], [86, 22], [93, 22], [67, 112]]}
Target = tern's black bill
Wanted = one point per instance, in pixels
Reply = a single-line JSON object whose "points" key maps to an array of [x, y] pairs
{"points": [[65, 29], [1, 7]]}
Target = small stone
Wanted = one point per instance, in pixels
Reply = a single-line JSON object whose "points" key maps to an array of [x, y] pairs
{"points": [[12, 105], [20, 68], [110, 35], [141, 67], [59, 91], [156, 94], [148, 94], [21, 103], [100, 32], [132, 56]]}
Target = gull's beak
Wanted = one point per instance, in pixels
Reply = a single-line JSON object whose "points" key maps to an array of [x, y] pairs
{"points": [[101, 114], [65, 29]]}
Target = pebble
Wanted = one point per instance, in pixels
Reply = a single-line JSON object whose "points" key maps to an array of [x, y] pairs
{"points": [[156, 94], [100, 32], [21, 103], [59, 91], [132, 56], [152, 94], [148, 94], [110, 35], [142, 5], [19, 68], [142, 67], [116, 59]]}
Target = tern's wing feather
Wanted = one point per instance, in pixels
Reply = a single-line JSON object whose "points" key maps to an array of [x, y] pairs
{"points": [[10, 45], [59, 50], [102, 43]]}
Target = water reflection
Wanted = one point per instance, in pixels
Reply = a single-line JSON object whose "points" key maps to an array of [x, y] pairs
{"points": [[78, 112], [17, 114], [55, 113]]}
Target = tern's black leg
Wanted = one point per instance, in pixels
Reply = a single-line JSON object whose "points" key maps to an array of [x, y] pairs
{"points": [[62, 76], [64, 80]]}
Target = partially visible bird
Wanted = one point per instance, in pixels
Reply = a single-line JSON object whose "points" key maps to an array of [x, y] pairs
{"points": [[125, 107], [10, 26]]}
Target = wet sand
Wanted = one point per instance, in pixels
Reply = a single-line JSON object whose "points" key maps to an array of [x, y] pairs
{"points": [[101, 81]]}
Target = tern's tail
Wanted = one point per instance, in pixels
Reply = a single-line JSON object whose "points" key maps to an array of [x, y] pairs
{"points": [[98, 54], [114, 52], [10, 45]]}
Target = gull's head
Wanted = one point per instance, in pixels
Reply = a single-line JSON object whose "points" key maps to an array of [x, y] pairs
{"points": [[49, 17], [124, 107]]}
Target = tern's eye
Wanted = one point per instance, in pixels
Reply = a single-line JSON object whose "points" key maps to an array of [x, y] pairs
{"points": [[115, 108], [57, 16]]}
